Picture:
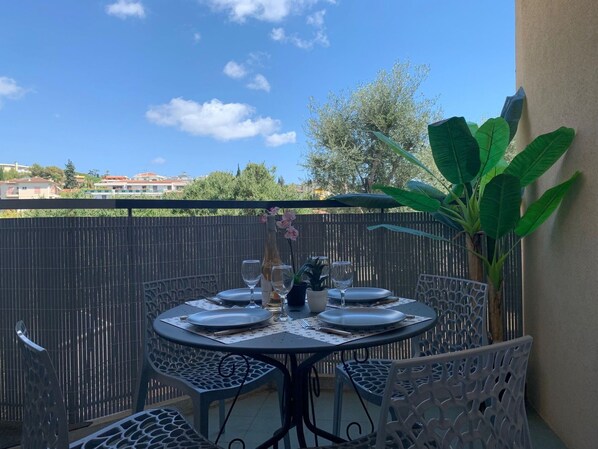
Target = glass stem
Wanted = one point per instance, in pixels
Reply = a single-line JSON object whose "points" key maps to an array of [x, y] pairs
{"points": [[251, 300], [283, 309], [342, 297]]}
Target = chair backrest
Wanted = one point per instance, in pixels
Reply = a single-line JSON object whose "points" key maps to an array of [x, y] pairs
{"points": [[461, 308], [464, 399], [165, 294], [44, 414]]}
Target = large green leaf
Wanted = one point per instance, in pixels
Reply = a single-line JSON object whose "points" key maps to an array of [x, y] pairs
{"points": [[401, 152], [421, 187], [539, 211], [499, 207], [367, 200], [540, 155], [499, 168], [455, 150], [511, 111], [493, 139], [409, 231], [445, 220], [473, 128], [414, 200]]}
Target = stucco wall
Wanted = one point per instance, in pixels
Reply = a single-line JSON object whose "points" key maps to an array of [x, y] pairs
{"points": [[557, 64]]}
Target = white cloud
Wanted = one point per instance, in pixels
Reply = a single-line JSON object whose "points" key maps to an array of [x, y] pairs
{"points": [[9, 88], [221, 121], [259, 82], [234, 70], [126, 8], [196, 37], [277, 34], [275, 140], [265, 10], [158, 160], [316, 20]]}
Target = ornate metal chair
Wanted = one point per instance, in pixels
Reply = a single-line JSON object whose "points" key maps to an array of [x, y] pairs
{"points": [[45, 423], [464, 399], [193, 371], [461, 308]]}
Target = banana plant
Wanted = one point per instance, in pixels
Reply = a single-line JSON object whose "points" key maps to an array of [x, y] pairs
{"points": [[481, 193]]}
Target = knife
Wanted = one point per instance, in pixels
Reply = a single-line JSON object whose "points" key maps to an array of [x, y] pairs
{"points": [[216, 301], [331, 330]]}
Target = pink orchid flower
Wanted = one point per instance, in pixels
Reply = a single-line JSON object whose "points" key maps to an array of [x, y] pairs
{"points": [[283, 224], [291, 234], [289, 215]]}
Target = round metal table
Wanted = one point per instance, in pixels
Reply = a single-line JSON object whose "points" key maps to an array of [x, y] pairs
{"points": [[296, 375]]}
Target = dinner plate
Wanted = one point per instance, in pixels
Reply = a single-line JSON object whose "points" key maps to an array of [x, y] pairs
{"points": [[229, 318], [361, 317], [360, 294], [240, 296]]}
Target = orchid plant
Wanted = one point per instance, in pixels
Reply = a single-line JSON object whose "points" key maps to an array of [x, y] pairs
{"points": [[285, 222]]}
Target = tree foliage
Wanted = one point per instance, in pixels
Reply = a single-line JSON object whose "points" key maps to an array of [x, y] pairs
{"points": [[344, 154], [254, 182], [70, 181], [50, 172]]}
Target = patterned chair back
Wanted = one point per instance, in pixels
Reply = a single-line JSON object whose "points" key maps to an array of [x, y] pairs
{"points": [[461, 308], [464, 399], [165, 294], [44, 414]]}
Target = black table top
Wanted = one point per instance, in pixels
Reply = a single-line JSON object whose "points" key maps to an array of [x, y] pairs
{"points": [[286, 343]]}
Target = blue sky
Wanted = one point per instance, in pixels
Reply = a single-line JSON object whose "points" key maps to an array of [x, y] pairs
{"points": [[194, 86]]}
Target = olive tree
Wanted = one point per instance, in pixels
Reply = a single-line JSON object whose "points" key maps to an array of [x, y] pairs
{"points": [[344, 155]]}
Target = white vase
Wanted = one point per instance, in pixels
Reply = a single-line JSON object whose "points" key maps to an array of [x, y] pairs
{"points": [[316, 301]]}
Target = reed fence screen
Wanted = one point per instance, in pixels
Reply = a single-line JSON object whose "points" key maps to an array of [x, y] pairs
{"points": [[77, 284]]}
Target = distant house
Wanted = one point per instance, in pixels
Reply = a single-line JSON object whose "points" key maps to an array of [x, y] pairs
{"points": [[28, 188], [19, 168], [146, 184]]}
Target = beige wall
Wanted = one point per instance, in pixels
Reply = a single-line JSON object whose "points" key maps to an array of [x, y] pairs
{"points": [[557, 64]]}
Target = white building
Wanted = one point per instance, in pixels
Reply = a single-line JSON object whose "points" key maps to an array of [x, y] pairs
{"points": [[146, 184], [29, 188], [19, 168]]}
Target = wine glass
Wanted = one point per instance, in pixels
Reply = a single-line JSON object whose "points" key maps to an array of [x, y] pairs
{"points": [[282, 282], [342, 277], [251, 271]]}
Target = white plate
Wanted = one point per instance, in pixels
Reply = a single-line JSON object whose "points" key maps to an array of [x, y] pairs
{"points": [[360, 294], [240, 296], [361, 317], [229, 318]]}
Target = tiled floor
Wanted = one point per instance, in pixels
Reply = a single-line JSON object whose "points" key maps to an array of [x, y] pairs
{"points": [[256, 416]]}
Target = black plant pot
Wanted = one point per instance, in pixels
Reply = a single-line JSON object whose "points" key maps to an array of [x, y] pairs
{"points": [[296, 297]]}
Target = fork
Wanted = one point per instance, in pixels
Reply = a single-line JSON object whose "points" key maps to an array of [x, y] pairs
{"points": [[329, 330]]}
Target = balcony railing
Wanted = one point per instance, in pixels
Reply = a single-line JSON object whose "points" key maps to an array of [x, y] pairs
{"points": [[77, 282]]}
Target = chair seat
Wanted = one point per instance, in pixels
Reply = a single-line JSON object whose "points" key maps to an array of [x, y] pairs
{"points": [[369, 377], [159, 428], [209, 374]]}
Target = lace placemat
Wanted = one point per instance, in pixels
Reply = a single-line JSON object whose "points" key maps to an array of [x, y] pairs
{"points": [[392, 301], [293, 327], [356, 334]]}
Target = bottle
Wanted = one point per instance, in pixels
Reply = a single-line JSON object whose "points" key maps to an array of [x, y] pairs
{"points": [[271, 258]]}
